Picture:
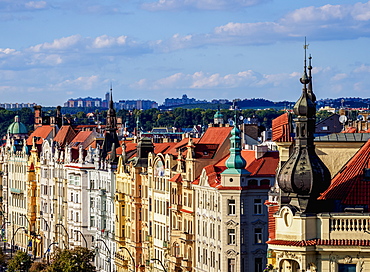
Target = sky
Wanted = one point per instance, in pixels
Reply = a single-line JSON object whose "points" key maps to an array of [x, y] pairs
{"points": [[54, 50]]}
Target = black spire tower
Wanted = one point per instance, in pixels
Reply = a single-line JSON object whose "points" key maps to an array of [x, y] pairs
{"points": [[111, 138], [304, 176]]}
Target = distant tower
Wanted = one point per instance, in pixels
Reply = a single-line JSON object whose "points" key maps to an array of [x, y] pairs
{"points": [[111, 138], [218, 118], [38, 116], [304, 176]]}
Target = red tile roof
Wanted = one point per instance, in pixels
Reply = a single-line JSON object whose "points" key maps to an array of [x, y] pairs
{"points": [[41, 133], [81, 136], [319, 242], [281, 129], [262, 167], [164, 148], [350, 130], [215, 135], [349, 185], [65, 135], [176, 178]]}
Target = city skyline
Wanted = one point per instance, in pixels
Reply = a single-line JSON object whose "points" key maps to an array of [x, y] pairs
{"points": [[209, 49]]}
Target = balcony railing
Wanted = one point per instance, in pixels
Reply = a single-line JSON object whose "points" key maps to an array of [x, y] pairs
{"points": [[351, 226]]}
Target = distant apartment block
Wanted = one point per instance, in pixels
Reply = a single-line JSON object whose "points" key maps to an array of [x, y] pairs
{"points": [[83, 102], [220, 101], [17, 105], [136, 104], [182, 101]]}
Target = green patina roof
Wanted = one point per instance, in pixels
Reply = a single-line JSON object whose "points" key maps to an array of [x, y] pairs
{"points": [[218, 114], [17, 127]]}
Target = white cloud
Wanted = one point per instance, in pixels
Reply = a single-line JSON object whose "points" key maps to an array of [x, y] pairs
{"points": [[202, 80], [36, 5], [107, 41], [58, 44], [80, 83]]}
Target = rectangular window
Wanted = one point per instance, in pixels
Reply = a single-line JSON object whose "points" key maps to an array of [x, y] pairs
{"points": [[231, 265], [258, 264], [231, 206], [231, 236], [346, 268], [258, 206], [92, 221], [258, 236]]}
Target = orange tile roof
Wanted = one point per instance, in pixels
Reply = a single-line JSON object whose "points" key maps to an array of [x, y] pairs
{"points": [[350, 130], [281, 129], [65, 135], [183, 143], [215, 135], [41, 133], [176, 178], [262, 167], [164, 148], [81, 136], [349, 185]]}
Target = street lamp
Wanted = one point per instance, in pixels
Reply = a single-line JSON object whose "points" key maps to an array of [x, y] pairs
{"points": [[28, 221], [158, 260], [132, 258], [83, 236], [48, 250], [61, 225], [12, 241], [110, 253], [3, 228]]}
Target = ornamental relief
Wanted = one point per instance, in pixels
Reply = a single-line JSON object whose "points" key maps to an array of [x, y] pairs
{"points": [[231, 253], [289, 255], [231, 223]]}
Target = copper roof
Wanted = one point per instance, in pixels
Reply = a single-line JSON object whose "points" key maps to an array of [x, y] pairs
{"points": [[261, 167]]}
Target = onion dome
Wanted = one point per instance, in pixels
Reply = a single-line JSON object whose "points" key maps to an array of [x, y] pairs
{"points": [[235, 163], [17, 127], [304, 176], [218, 115]]}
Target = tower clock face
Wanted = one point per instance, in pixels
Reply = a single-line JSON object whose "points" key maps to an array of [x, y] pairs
{"points": [[159, 169]]}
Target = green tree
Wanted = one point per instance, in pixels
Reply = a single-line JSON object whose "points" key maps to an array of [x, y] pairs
{"points": [[72, 260], [38, 267], [20, 262]]}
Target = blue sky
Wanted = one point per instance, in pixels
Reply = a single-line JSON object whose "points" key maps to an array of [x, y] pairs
{"points": [[53, 50]]}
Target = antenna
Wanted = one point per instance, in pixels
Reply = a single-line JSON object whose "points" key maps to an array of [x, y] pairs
{"points": [[343, 119], [360, 118]]}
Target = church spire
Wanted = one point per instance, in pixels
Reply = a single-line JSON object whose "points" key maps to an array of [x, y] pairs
{"points": [[304, 176], [111, 138], [235, 163]]}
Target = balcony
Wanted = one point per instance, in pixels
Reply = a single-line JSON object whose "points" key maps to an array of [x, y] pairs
{"points": [[120, 260], [186, 263], [343, 226], [189, 237]]}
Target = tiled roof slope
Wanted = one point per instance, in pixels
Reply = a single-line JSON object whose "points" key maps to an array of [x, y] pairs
{"points": [[319, 242], [349, 185], [281, 129], [65, 135], [42, 132], [215, 135], [261, 167]]}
